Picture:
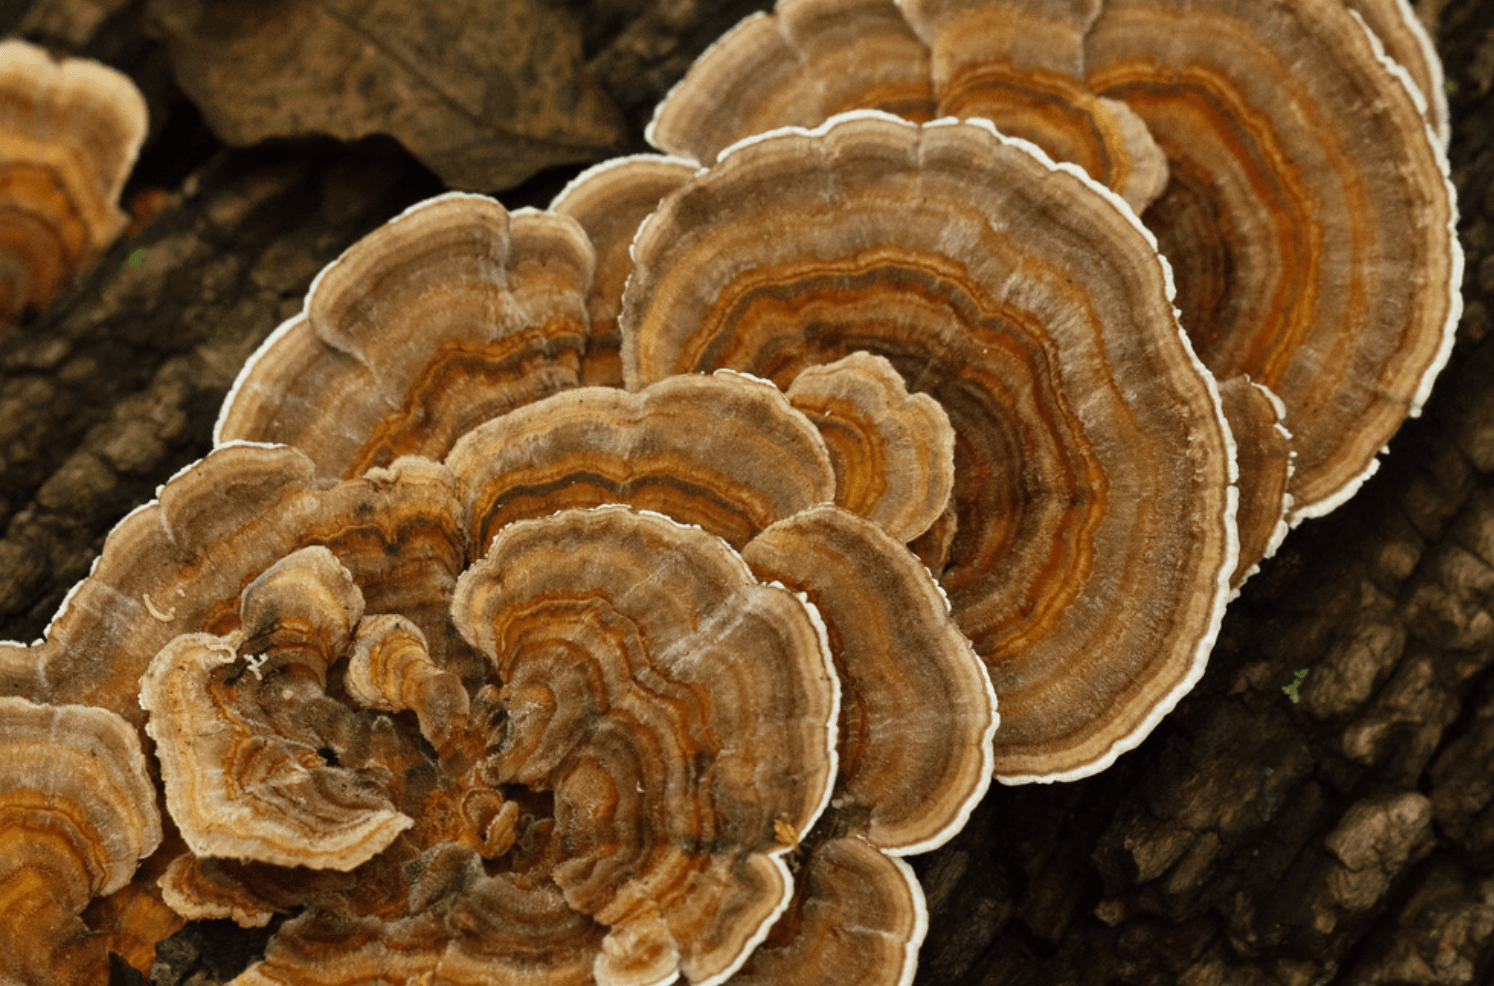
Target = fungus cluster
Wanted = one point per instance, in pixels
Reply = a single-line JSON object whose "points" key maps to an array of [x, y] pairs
{"points": [[615, 593], [69, 133]]}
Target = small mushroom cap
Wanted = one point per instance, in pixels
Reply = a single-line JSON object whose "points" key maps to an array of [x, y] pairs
{"points": [[620, 638], [236, 784], [1310, 226], [77, 812], [1018, 64], [610, 200], [449, 314], [1264, 448], [69, 133], [178, 565], [800, 65], [724, 452], [1035, 310], [893, 452], [917, 709], [859, 919]]}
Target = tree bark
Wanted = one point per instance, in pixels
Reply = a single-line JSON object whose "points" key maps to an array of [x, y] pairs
{"points": [[1344, 835]]}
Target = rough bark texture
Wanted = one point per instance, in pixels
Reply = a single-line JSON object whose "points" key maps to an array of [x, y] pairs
{"points": [[1347, 837]]}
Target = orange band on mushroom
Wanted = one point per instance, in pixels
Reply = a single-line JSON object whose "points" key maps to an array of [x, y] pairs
{"points": [[1038, 315], [475, 312], [69, 133]]}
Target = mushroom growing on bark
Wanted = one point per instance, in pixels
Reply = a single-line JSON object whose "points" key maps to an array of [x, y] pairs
{"points": [[1036, 312], [69, 133], [573, 773], [1310, 224]]}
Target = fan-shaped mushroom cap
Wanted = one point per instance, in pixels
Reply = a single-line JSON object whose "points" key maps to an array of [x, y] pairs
{"points": [[893, 453], [726, 453], [1310, 225], [609, 200], [69, 133], [1408, 43], [1018, 65], [1035, 310], [859, 919], [77, 812], [1264, 448], [220, 709], [620, 640], [447, 315], [179, 564], [798, 66], [907, 782]]}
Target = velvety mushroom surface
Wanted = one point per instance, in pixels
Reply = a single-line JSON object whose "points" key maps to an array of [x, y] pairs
{"points": [[610, 200], [1311, 225], [1088, 440], [797, 66], [69, 133], [77, 812], [446, 316], [486, 721]]}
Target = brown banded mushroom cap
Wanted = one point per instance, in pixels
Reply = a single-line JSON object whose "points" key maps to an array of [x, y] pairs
{"points": [[449, 314], [859, 918], [1311, 226], [69, 133], [1017, 64], [178, 565], [1036, 311], [620, 639], [77, 813], [236, 786], [798, 66], [908, 779], [893, 452], [725, 452], [610, 200], [1263, 447]]}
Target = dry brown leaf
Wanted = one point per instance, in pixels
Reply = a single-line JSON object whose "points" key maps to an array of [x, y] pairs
{"points": [[484, 94]]}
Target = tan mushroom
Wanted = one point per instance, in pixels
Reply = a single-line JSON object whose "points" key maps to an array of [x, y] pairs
{"points": [[620, 640], [610, 200], [77, 812], [1263, 447], [860, 918], [474, 312], [69, 133], [1035, 310], [1018, 65], [893, 452], [239, 722], [1310, 225], [798, 66], [728, 454]]}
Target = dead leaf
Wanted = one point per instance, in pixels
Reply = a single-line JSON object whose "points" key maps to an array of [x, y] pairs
{"points": [[485, 94]]}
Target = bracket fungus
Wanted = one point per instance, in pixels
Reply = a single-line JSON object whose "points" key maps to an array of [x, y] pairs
{"points": [[1310, 223], [1036, 312], [77, 812], [477, 312], [69, 133], [610, 200], [487, 735]]}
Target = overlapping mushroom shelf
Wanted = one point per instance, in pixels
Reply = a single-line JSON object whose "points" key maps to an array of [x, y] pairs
{"points": [[616, 593], [69, 133], [560, 707], [1283, 162]]}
